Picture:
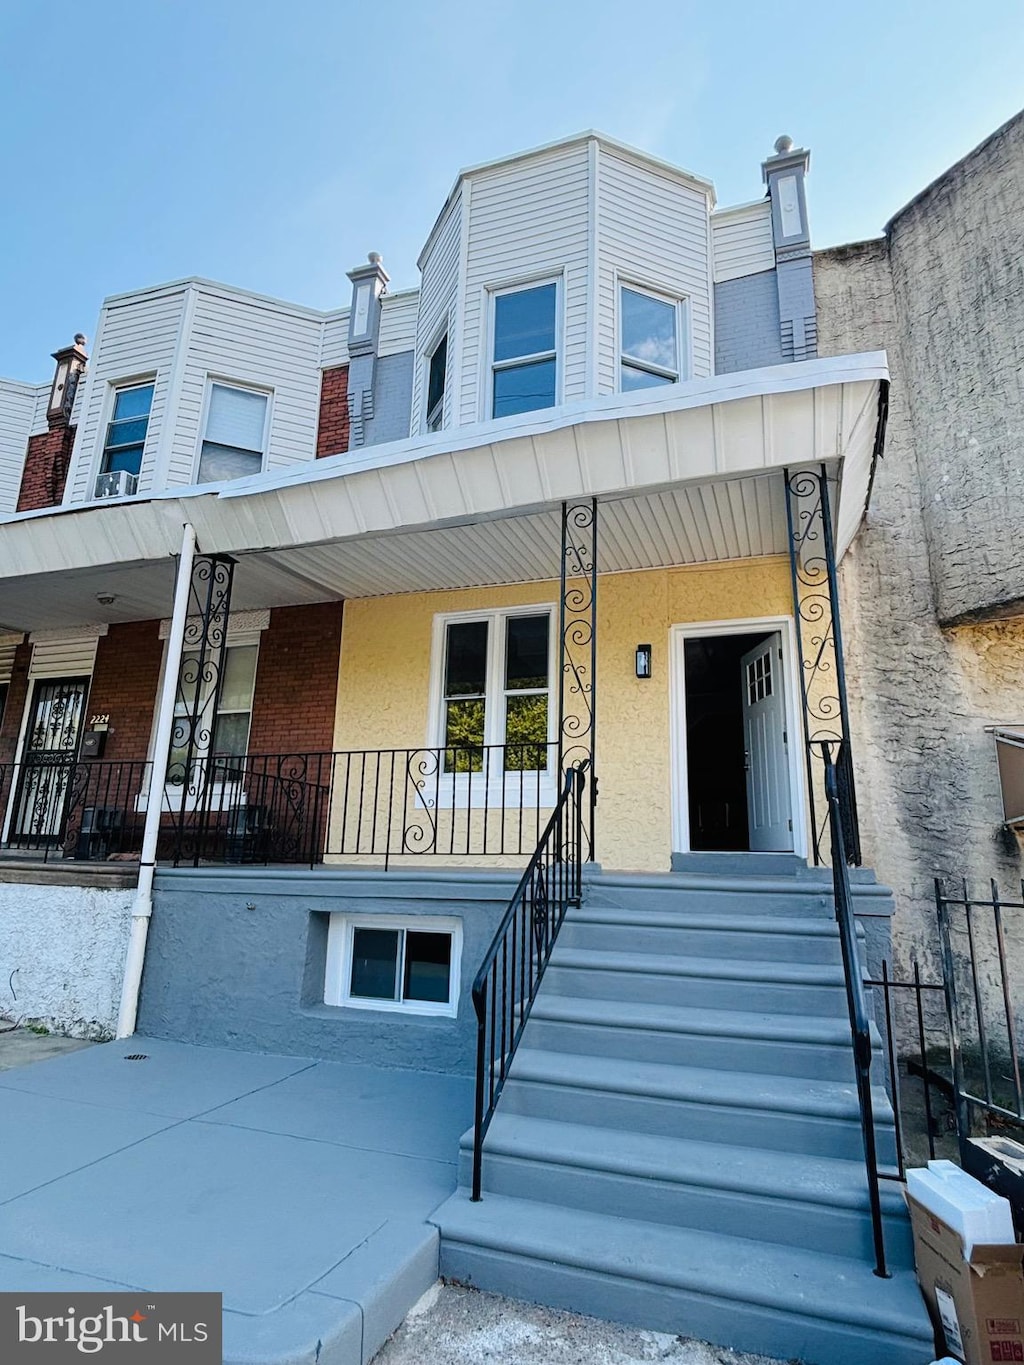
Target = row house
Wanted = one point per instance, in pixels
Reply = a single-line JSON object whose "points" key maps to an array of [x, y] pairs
{"points": [[456, 680]]}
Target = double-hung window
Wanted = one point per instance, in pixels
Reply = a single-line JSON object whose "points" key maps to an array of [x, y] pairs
{"points": [[524, 362], [649, 328], [235, 435], [222, 731], [495, 694], [436, 375], [126, 431]]}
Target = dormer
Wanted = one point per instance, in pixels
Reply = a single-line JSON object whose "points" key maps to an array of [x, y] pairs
{"points": [[576, 270]]}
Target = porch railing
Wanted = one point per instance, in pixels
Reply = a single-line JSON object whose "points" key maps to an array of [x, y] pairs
{"points": [[856, 999], [510, 974], [380, 805]]}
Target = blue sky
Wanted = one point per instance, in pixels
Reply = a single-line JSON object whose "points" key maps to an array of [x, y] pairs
{"points": [[271, 145]]}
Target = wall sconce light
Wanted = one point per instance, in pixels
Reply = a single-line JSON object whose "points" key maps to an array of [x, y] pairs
{"points": [[643, 661]]}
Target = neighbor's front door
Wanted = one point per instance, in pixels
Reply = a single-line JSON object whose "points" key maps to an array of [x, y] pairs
{"points": [[769, 807], [49, 757]]}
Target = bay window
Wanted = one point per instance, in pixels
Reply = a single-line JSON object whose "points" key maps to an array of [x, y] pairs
{"points": [[524, 360], [235, 434], [649, 337]]}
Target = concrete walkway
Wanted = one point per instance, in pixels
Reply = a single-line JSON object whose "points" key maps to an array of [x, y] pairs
{"points": [[299, 1189]]}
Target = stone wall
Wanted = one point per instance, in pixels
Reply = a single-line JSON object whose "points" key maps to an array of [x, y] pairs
{"points": [[62, 951], [921, 696]]}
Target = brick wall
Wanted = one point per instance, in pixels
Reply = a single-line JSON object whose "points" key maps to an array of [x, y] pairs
{"points": [[15, 707], [333, 427], [124, 685], [297, 681], [747, 323], [47, 460]]}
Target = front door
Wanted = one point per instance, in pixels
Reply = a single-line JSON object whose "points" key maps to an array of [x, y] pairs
{"points": [[769, 812], [48, 759]]}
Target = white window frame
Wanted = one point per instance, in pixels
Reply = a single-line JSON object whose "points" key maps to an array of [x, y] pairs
{"points": [[221, 382], [534, 787], [681, 304], [219, 793], [338, 976], [443, 333], [494, 292], [113, 388]]}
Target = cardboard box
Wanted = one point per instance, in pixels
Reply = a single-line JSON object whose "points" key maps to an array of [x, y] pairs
{"points": [[976, 1305]]}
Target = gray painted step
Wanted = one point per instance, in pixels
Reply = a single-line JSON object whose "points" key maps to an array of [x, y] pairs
{"points": [[790, 1198], [702, 934], [815, 1046], [821, 1309], [719, 983], [782, 1113], [809, 894]]}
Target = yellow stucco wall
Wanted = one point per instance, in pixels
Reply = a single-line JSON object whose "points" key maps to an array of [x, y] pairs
{"points": [[385, 678]]}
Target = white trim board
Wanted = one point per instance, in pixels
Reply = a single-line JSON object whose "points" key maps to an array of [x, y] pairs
{"points": [[747, 625]]}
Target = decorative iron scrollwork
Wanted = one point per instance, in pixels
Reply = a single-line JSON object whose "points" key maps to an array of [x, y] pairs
{"points": [[577, 634]]}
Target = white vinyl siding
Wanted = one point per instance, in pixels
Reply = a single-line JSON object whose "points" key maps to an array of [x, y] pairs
{"points": [[334, 347], [68, 656], [17, 412], [136, 339], [742, 241], [652, 229], [439, 285], [527, 220], [398, 317]]}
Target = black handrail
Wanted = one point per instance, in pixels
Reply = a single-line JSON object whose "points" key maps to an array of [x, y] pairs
{"points": [[860, 1020], [514, 963]]}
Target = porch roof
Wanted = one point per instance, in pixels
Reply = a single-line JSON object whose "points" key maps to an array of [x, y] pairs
{"points": [[691, 477]]}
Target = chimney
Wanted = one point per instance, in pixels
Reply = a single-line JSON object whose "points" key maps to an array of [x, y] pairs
{"points": [[71, 361], [369, 284], [784, 173]]}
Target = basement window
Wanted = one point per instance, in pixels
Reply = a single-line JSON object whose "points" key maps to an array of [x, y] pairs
{"points": [[389, 963]]}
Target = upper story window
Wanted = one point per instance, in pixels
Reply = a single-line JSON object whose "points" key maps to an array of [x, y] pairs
{"points": [[126, 432], [649, 328], [525, 360], [436, 375], [235, 437]]}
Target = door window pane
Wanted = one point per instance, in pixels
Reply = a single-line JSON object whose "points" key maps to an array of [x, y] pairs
{"points": [[427, 966], [375, 963], [523, 388], [524, 322]]}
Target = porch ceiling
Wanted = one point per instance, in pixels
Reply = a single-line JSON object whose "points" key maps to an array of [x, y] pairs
{"points": [[694, 478]]}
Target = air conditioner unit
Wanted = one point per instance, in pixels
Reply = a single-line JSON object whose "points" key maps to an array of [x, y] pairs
{"points": [[117, 484]]}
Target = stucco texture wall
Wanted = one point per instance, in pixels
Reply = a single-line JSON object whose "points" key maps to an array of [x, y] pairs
{"points": [[384, 681], [62, 951], [920, 697]]}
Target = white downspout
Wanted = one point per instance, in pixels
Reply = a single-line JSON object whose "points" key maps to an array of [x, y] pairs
{"points": [[143, 907]]}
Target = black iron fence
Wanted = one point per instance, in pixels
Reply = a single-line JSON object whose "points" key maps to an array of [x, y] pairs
{"points": [[510, 974], [380, 805]]}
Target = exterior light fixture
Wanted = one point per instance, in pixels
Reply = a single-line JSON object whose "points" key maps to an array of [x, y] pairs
{"points": [[643, 661]]}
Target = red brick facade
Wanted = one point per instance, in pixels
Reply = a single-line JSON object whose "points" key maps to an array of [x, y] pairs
{"points": [[297, 681], [124, 686], [47, 461], [332, 431], [14, 710]]}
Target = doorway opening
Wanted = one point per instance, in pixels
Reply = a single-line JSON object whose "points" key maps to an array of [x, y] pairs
{"points": [[736, 742]]}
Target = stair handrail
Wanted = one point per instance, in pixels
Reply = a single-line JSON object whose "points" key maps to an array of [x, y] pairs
{"points": [[522, 946], [860, 1019]]}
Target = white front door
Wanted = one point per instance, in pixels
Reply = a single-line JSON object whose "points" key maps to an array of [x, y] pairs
{"points": [[769, 809]]}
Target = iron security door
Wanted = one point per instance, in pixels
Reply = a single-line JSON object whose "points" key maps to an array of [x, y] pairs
{"points": [[769, 807], [48, 758]]}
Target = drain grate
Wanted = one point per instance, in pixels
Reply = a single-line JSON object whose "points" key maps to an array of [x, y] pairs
{"points": [[137, 1057]]}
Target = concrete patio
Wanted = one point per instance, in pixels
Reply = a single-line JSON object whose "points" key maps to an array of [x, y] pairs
{"points": [[299, 1189]]}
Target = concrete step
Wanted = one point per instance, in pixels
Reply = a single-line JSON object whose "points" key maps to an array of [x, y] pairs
{"points": [[807, 894], [783, 1301], [697, 933], [719, 983], [792, 1199], [814, 1046], [781, 1113]]}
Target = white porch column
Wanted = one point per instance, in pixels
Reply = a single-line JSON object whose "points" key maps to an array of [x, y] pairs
{"points": [[143, 907]]}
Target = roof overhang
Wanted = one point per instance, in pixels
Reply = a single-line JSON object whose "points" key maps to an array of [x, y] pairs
{"points": [[690, 476]]}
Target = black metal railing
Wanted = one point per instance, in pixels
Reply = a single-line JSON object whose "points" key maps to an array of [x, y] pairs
{"points": [[84, 809], [982, 971], [860, 1018], [509, 977]]}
